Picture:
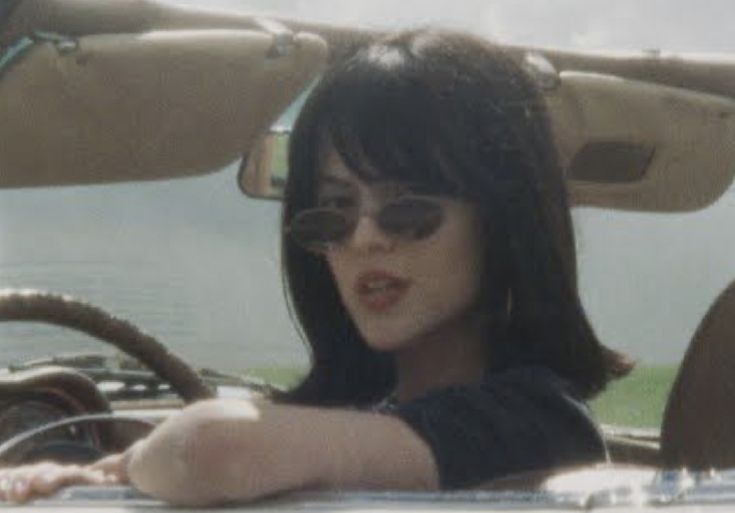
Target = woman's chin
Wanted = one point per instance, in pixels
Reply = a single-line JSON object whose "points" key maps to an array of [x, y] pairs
{"points": [[388, 339]]}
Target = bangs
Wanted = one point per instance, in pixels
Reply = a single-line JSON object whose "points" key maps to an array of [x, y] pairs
{"points": [[385, 126]]}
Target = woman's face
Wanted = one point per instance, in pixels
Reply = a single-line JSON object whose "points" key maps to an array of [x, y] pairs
{"points": [[396, 289]]}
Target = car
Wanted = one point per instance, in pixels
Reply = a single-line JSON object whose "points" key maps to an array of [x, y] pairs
{"points": [[129, 129]]}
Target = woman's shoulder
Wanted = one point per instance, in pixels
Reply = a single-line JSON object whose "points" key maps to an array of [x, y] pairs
{"points": [[514, 383], [521, 419], [531, 380], [531, 374]]}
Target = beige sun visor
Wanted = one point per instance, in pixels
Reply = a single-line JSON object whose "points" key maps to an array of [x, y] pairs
{"points": [[634, 145], [121, 107]]}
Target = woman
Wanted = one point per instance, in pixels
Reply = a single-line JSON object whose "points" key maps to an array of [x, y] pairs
{"points": [[429, 259]]}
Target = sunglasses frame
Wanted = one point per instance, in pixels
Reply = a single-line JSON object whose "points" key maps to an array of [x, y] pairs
{"points": [[351, 221]]}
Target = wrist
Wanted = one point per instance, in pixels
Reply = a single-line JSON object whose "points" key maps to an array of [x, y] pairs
{"points": [[130, 454]]}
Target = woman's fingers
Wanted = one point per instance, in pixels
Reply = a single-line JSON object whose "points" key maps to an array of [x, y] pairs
{"points": [[13, 489], [13, 485], [24, 483], [48, 482], [18, 484]]}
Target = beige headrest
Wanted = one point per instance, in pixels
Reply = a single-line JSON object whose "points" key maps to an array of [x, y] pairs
{"points": [[699, 419]]}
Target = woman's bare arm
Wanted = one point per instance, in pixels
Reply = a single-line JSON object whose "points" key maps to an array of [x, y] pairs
{"points": [[222, 450]]}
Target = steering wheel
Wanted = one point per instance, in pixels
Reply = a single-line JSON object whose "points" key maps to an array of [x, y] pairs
{"points": [[30, 305]]}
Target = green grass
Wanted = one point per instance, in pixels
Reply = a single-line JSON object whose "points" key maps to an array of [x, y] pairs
{"points": [[279, 376], [636, 400]]}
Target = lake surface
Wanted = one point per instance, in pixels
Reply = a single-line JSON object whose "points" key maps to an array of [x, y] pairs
{"points": [[192, 262]]}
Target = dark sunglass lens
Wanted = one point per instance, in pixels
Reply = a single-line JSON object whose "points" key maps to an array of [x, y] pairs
{"points": [[316, 229], [411, 218]]}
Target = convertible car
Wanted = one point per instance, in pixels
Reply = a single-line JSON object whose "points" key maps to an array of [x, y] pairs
{"points": [[96, 95]]}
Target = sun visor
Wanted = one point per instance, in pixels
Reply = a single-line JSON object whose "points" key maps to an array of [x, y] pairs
{"points": [[123, 107], [634, 145]]}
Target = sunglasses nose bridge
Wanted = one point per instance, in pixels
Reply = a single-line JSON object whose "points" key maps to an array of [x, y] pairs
{"points": [[367, 235]]}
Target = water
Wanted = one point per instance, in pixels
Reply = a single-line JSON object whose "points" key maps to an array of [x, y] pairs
{"points": [[190, 262], [161, 303]]}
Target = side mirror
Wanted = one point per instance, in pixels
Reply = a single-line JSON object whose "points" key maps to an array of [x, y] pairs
{"points": [[263, 172]]}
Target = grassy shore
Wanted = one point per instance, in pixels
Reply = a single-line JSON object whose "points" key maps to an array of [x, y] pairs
{"points": [[637, 400]]}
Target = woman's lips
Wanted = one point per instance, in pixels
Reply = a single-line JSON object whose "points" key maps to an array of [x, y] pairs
{"points": [[378, 291]]}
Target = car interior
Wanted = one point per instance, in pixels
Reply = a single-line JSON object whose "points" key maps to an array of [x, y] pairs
{"points": [[644, 132]]}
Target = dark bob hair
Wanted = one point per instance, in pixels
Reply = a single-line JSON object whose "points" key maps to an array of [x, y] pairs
{"points": [[456, 114]]}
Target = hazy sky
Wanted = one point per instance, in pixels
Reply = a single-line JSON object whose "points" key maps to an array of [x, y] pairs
{"points": [[671, 25]]}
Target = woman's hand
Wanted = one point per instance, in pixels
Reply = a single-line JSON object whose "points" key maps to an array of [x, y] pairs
{"points": [[20, 484], [221, 451]]}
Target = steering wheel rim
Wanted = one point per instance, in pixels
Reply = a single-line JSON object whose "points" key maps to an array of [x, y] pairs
{"points": [[8, 448], [39, 306]]}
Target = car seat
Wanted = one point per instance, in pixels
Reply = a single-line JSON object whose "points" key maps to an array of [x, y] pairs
{"points": [[698, 429]]}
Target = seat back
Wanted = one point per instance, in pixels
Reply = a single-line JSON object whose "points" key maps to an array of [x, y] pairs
{"points": [[698, 430]]}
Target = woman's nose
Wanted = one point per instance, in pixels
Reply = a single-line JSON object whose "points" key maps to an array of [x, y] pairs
{"points": [[368, 236]]}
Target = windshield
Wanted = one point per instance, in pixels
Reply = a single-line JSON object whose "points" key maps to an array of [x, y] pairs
{"points": [[195, 263]]}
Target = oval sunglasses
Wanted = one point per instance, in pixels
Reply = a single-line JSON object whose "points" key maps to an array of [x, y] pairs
{"points": [[410, 217]]}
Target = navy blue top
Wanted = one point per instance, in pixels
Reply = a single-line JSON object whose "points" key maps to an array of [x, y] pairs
{"points": [[519, 420]]}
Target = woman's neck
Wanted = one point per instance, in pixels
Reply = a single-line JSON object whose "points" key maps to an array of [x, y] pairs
{"points": [[452, 355]]}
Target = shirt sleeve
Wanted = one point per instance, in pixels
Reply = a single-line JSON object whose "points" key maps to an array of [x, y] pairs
{"points": [[520, 420]]}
